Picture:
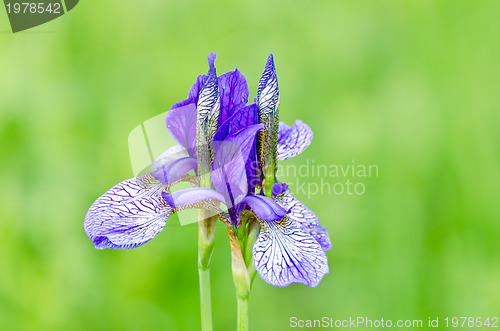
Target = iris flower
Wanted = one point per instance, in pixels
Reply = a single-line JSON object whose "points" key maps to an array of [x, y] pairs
{"points": [[290, 245]]}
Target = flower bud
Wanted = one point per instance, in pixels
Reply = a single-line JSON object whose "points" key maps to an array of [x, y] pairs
{"points": [[268, 102]]}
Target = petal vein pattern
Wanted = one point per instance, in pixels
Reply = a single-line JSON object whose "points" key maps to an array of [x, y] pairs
{"points": [[284, 254], [128, 215], [293, 140], [305, 217]]}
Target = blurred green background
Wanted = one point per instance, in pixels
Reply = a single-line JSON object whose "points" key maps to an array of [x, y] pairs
{"points": [[411, 86]]}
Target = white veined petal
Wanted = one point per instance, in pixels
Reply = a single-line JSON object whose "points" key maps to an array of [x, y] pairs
{"points": [[293, 140], [128, 215], [284, 254], [305, 217]]}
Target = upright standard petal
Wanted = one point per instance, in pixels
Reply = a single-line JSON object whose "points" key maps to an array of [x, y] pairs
{"points": [[293, 140], [233, 92], [181, 124], [181, 118], [284, 254], [128, 215], [306, 218], [194, 91], [228, 168], [242, 118], [268, 102]]}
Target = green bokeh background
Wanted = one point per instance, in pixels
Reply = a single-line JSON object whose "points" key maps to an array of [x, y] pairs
{"points": [[411, 86]]}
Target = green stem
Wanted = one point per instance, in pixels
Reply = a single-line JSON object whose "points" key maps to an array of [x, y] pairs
{"points": [[206, 304], [240, 278], [242, 313], [206, 236]]}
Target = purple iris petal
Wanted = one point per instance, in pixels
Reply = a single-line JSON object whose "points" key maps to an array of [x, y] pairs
{"points": [[293, 140], [306, 218], [211, 59], [249, 115], [242, 118], [175, 170], [228, 168], [233, 92], [128, 215], [263, 207], [191, 196], [284, 254], [181, 123], [279, 188], [252, 170], [181, 118], [194, 91]]}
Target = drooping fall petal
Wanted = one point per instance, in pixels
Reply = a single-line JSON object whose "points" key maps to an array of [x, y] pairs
{"points": [[306, 218], [128, 215], [284, 254]]}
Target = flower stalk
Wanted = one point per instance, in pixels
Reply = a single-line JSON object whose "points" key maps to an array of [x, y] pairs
{"points": [[205, 299], [241, 279], [242, 313]]}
